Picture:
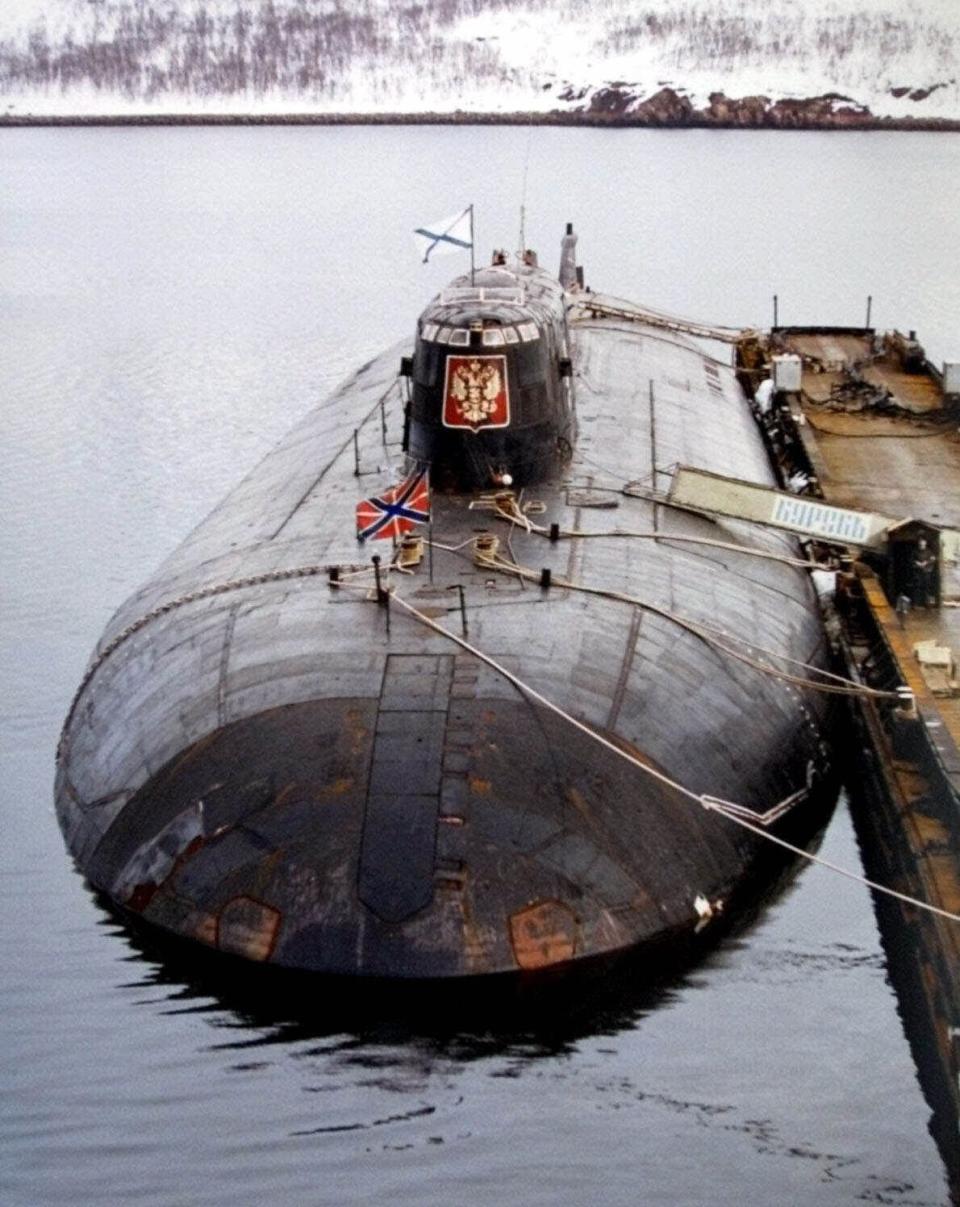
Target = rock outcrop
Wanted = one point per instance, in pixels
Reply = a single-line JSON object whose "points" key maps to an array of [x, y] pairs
{"points": [[622, 104]]}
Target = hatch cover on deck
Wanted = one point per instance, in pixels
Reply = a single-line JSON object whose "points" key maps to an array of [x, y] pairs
{"points": [[403, 797]]}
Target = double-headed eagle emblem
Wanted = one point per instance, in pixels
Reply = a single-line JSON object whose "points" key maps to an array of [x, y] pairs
{"points": [[476, 393]]}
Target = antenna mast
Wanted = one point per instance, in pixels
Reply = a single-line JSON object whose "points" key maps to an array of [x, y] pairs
{"points": [[473, 263], [523, 192]]}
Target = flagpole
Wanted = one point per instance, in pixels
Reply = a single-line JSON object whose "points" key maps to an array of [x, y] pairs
{"points": [[473, 269]]}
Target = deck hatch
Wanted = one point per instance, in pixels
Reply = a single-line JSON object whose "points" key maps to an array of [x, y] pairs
{"points": [[398, 848]]}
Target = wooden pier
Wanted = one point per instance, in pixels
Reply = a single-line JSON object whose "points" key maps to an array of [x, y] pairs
{"points": [[873, 428]]}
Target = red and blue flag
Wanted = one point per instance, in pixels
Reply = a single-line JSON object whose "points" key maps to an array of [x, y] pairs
{"points": [[397, 510]]}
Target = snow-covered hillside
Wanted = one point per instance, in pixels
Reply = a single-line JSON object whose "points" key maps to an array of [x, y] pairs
{"points": [[899, 58]]}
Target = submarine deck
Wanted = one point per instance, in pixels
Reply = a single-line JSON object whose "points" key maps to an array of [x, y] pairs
{"points": [[242, 642]]}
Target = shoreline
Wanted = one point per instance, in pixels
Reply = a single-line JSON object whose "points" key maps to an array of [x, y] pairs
{"points": [[793, 119]]}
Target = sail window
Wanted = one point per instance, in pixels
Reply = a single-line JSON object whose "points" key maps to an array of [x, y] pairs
{"points": [[488, 293], [430, 331], [443, 335], [460, 337], [493, 338], [510, 335], [528, 332]]}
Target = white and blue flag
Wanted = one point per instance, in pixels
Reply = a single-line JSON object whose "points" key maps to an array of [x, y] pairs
{"points": [[448, 235]]}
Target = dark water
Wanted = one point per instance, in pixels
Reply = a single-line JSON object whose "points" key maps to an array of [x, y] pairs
{"points": [[171, 301]]}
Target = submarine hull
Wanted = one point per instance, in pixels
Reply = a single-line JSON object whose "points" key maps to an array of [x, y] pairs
{"points": [[464, 772], [525, 857]]}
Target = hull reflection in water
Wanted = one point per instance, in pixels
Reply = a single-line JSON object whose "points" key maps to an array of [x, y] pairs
{"points": [[492, 756]]}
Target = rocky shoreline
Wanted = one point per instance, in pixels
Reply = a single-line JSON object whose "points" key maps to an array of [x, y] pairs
{"points": [[613, 106]]}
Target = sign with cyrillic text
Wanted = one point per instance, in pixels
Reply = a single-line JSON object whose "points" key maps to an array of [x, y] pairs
{"points": [[700, 490]]}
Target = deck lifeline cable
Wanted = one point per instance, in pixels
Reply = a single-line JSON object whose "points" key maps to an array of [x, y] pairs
{"points": [[844, 686], [712, 637], [727, 809], [737, 814]]}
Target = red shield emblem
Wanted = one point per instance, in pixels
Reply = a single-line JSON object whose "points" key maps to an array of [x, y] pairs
{"points": [[475, 393]]}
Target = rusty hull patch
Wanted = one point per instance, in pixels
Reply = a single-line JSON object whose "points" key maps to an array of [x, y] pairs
{"points": [[543, 934], [248, 928]]}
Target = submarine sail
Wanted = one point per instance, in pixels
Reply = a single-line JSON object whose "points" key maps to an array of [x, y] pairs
{"points": [[489, 753]]}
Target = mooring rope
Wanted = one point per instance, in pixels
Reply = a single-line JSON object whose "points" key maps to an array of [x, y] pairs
{"points": [[502, 510], [506, 507], [839, 685], [738, 814]]}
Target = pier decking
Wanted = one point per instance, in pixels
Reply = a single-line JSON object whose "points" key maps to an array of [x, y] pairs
{"points": [[884, 440], [899, 458]]}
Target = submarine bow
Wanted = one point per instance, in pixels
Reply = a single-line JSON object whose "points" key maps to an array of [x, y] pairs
{"points": [[269, 755]]}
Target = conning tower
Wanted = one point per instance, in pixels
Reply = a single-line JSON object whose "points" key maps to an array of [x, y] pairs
{"points": [[491, 402]]}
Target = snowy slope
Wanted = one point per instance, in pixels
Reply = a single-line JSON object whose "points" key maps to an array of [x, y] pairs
{"points": [[897, 57]]}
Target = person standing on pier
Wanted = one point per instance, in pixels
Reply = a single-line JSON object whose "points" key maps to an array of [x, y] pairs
{"points": [[924, 568]]}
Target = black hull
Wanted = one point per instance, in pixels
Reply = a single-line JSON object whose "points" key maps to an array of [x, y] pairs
{"points": [[562, 1000], [540, 852], [266, 760]]}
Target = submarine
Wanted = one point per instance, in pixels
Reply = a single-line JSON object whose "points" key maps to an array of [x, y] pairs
{"points": [[446, 688]]}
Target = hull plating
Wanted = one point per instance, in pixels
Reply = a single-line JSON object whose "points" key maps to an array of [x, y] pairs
{"points": [[283, 769]]}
